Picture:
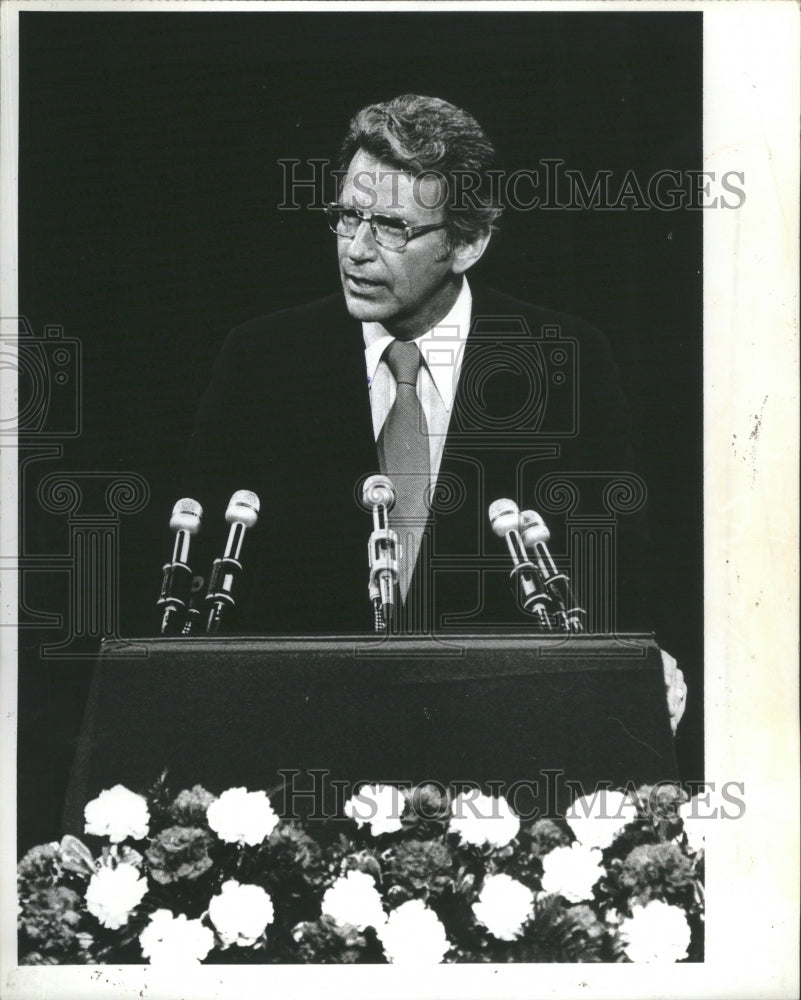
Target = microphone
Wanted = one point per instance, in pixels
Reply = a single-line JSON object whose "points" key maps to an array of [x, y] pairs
{"points": [[383, 548], [535, 534], [242, 513], [504, 517], [176, 585]]}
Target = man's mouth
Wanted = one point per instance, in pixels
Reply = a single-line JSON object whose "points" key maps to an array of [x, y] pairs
{"points": [[359, 284]]}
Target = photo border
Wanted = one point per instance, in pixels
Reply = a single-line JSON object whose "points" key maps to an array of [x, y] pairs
{"points": [[751, 87]]}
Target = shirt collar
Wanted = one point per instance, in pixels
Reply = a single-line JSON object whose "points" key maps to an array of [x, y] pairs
{"points": [[441, 347]]}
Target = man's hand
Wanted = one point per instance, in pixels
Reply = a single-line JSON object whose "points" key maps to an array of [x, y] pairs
{"points": [[676, 689]]}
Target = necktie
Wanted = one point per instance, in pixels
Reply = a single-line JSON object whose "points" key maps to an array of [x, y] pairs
{"points": [[403, 452]]}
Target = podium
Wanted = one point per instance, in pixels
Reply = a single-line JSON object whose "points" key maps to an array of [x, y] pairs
{"points": [[537, 718]]}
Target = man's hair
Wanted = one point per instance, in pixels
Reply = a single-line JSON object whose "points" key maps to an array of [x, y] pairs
{"points": [[426, 135]]}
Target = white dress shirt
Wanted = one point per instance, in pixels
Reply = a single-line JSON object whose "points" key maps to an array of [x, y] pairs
{"points": [[442, 349]]}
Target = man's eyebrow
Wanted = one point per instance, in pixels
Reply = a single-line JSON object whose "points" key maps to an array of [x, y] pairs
{"points": [[380, 215]]}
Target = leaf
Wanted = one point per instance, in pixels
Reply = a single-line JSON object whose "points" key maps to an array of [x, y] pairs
{"points": [[159, 790], [370, 865], [76, 856], [158, 797], [129, 856], [465, 883], [351, 936], [85, 941]]}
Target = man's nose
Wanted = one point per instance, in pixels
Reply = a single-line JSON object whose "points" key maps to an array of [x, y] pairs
{"points": [[362, 246]]}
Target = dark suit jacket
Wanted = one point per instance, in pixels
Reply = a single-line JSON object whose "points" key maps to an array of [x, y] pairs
{"points": [[287, 414]]}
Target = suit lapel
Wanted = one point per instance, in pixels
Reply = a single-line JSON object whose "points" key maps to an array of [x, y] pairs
{"points": [[472, 453], [483, 455], [343, 439], [340, 397], [456, 527]]}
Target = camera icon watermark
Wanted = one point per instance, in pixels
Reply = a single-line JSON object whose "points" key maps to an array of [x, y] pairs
{"points": [[516, 383], [48, 369]]}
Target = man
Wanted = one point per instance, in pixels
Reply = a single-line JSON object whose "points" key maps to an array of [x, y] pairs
{"points": [[461, 395]]}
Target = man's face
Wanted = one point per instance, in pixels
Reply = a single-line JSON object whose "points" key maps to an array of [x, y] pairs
{"points": [[407, 290]]}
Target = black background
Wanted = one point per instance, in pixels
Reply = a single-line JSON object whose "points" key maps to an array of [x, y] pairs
{"points": [[148, 227]]}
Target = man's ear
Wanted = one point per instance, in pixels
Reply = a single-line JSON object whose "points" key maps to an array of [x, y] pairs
{"points": [[464, 255]]}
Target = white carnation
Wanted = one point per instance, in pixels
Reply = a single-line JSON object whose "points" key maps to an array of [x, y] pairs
{"points": [[117, 813], [413, 935], [354, 900], [596, 820], [693, 825], [656, 932], [241, 913], [242, 817], [170, 941], [481, 819], [572, 871], [112, 894], [503, 906], [379, 805]]}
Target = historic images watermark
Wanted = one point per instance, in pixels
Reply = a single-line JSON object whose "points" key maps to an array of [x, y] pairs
{"points": [[315, 793], [549, 186]]}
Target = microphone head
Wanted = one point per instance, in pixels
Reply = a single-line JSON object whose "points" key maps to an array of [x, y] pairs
{"points": [[243, 508], [532, 528], [186, 515], [378, 490], [504, 517]]}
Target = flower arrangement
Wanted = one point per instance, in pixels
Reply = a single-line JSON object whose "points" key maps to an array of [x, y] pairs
{"points": [[197, 878]]}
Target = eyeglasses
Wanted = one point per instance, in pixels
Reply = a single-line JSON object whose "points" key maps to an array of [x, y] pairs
{"points": [[387, 231]]}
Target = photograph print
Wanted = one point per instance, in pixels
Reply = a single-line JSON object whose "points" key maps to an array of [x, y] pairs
{"points": [[360, 461]]}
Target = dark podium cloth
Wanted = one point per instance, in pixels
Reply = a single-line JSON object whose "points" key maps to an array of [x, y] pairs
{"points": [[487, 710], [287, 415]]}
